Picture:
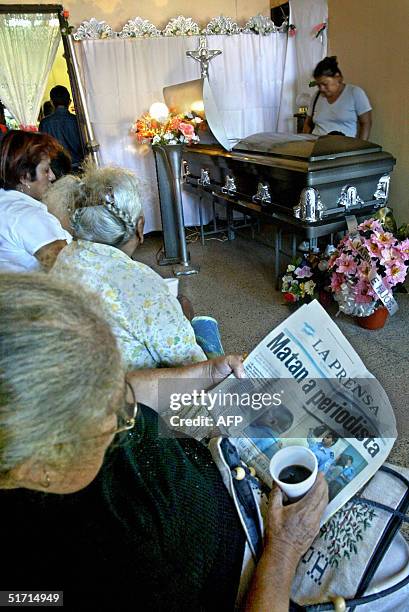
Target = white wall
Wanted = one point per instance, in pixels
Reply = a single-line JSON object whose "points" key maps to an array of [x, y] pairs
{"points": [[370, 38]]}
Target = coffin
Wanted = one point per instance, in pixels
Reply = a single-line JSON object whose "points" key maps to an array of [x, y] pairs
{"points": [[306, 177]]}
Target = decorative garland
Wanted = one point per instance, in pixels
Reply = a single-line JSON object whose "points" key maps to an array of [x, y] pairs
{"points": [[178, 26]]}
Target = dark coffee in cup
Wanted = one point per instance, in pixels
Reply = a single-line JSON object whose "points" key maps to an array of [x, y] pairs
{"points": [[293, 474]]}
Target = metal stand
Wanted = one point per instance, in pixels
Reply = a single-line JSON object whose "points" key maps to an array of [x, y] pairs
{"points": [[168, 160], [91, 144]]}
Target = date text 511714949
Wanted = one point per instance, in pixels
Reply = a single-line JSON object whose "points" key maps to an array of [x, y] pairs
{"points": [[29, 598]]}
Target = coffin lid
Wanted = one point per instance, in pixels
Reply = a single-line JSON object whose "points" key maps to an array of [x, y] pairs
{"points": [[305, 146], [197, 96]]}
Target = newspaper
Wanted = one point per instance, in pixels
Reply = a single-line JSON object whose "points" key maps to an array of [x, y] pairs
{"points": [[324, 397]]}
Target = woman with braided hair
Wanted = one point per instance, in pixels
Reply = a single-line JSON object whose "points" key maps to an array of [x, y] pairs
{"points": [[104, 212]]}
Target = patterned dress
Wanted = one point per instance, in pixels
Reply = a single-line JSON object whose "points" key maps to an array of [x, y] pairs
{"points": [[146, 319]]}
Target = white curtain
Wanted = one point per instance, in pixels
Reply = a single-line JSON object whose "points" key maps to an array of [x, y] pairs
{"points": [[123, 77], [286, 121], [308, 48], [28, 45]]}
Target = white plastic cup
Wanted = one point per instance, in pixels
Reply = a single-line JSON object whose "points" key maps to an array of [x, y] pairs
{"points": [[294, 455]]}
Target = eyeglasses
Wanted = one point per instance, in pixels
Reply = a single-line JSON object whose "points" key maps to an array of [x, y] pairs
{"points": [[127, 419]]}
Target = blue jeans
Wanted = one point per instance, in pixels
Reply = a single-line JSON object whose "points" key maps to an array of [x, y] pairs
{"points": [[208, 336]]}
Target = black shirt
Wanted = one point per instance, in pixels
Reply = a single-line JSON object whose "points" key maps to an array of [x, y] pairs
{"points": [[157, 525], [64, 127]]}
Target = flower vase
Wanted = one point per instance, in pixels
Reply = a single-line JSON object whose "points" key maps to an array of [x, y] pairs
{"points": [[168, 161], [374, 321]]}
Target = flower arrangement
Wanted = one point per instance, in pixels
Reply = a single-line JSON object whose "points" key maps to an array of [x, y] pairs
{"points": [[181, 26], [260, 25], [139, 27], [167, 129], [221, 25], [360, 257], [305, 279]]}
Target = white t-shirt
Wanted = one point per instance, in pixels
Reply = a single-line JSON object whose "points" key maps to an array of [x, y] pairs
{"points": [[342, 115], [25, 227]]}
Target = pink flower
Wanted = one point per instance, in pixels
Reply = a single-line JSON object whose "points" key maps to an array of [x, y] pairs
{"points": [[364, 292], [364, 269], [304, 272], [336, 281], [389, 255], [370, 224], [396, 273], [384, 238], [404, 247], [346, 264], [373, 246], [187, 130]]}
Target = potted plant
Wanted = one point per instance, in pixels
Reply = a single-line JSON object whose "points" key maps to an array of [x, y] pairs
{"points": [[369, 253]]}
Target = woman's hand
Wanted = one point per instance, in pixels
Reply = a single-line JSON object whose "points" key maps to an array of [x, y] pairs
{"points": [[221, 367], [292, 528], [207, 373], [290, 531]]}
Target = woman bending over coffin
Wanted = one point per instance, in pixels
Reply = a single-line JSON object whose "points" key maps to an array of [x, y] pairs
{"points": [[93, 502], [338, 107], [105, 212], [30, 237]]}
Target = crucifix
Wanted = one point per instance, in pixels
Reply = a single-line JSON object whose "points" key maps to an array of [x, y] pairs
{"points": [[203, 55]]}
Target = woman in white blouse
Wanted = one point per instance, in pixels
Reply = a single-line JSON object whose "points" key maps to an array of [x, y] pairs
{"points": [[30, 237], [105, 213]]}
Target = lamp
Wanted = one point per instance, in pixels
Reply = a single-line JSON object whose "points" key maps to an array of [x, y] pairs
{"points": [[159, 111]]}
